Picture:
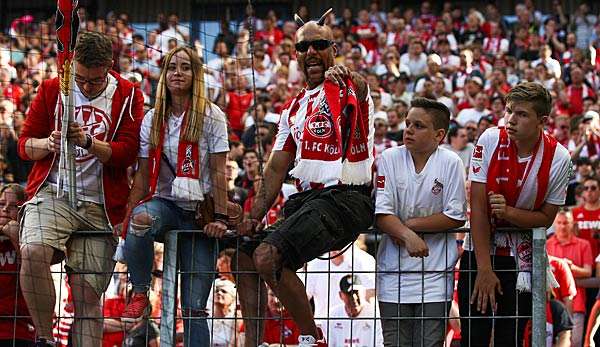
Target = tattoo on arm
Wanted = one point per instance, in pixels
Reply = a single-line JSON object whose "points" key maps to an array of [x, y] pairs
{"points": [[360, 84]]}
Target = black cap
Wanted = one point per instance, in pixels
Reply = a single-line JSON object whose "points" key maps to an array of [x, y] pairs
{"points": [[350, 283]]}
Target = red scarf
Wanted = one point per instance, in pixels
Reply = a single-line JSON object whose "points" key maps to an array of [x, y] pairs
{"points": [[186, 185], [503, 178], [503, 173], [321, 157]]}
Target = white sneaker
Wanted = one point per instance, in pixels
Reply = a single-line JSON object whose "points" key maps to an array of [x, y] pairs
{"points": [[306, 341]]}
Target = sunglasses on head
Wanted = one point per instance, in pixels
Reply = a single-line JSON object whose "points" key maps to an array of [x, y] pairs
{"points": [[319, 45]]}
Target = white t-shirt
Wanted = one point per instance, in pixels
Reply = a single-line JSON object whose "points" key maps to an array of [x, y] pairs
{"points": [[471, 114], [323, 277], [451, 60], [291, 125], [164, 37], [439, 188], [363, 330], [94, 117], [464, 154], [213, 140], [551, 64], [420, 85], [559, 170], [416, 67], [222, 331]]}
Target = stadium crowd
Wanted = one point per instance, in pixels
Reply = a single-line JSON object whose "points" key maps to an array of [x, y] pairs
{"points": [[466, 59]]}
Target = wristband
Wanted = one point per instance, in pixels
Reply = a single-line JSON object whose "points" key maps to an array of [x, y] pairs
{"points": [[221, 216]]}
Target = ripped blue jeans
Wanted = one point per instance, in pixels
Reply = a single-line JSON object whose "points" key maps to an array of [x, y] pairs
{"points": [[197, 259]]}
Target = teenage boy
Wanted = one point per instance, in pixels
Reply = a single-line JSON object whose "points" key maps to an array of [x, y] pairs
{"points": [[420, 192], [519, 177]]}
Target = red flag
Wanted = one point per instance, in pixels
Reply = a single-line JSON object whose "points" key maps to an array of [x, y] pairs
{"points": [[67, 26]]}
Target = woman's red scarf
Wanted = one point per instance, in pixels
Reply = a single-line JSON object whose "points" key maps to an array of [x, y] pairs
{"points": [[186, 185]]}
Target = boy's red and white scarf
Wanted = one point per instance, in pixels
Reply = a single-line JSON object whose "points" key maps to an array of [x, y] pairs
{"points": [[186, 185], [527, 192], [323, 157]]}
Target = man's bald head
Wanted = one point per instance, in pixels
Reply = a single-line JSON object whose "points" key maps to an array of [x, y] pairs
{"points": [[315, 31]]}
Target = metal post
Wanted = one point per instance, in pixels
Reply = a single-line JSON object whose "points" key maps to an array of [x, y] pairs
{"points": [[169, 290], [538, 287]]}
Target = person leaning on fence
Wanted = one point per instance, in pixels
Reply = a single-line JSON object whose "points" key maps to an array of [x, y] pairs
{"points": [[333, 155], [16, 328], [420, 189], [519, 176], [181, 162], [108, 112]]}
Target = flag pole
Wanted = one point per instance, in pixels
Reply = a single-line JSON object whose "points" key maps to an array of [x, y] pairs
{"points": [[67, 26]]}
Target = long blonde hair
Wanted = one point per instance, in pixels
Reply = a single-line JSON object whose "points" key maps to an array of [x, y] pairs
{"points": [[194, 123]]}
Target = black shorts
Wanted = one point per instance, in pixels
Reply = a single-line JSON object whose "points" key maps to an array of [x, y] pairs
{"points": [[316, 222]]}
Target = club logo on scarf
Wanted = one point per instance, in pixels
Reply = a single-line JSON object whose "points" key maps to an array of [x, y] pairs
{"points": [[524, 252], [437, 187], [319, 125], [188, 163]]}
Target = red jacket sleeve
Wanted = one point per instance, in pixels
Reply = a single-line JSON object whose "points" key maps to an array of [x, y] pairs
{"points": [[38, 122], [126, 143]]}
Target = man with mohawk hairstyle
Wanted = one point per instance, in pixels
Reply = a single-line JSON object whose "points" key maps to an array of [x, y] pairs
{"points": [[327, 131]]}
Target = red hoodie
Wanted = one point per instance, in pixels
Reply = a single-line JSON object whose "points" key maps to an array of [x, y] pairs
{"points": [[124, 135]]}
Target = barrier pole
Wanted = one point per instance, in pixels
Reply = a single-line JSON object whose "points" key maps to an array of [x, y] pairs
{"points": [[538, 287], [169, 290]]}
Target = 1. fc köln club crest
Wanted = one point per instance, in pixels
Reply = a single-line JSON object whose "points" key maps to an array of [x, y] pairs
{"points": [[319, 125], [93, 121]]}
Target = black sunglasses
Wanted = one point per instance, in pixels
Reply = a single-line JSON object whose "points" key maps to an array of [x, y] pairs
{"points": [[319, 45]]}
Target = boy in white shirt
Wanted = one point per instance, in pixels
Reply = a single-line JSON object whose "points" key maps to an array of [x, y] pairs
{"points": [[519, 175], [420, 189]]}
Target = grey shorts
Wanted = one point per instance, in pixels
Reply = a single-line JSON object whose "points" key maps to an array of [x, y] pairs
{"points": [[416, 332], [50, 221]]}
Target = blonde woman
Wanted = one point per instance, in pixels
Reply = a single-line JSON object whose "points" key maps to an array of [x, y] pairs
{"points": [[183, 147]]}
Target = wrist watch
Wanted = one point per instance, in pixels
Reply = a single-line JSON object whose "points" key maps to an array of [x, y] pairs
{"points": [[88, 142]]}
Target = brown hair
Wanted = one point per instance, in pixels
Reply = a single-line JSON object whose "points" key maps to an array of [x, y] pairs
{"points": [[18, 190], [534, 93], [93, 49], [440, 115], [194, 123]]}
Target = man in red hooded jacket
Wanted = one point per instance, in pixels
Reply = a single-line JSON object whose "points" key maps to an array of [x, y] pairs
{"points": [[108, 114]]}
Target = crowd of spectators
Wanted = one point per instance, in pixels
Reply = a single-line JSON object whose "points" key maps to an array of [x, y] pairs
{"points": [[468, 59]]}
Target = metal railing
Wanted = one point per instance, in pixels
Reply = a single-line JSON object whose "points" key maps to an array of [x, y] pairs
{"points": [[170, 285]]}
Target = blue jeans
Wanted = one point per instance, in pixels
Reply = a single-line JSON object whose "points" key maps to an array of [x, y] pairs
{"points": [[197, 260]]}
